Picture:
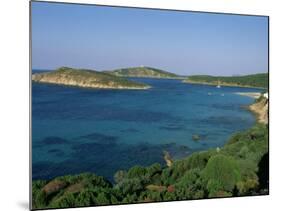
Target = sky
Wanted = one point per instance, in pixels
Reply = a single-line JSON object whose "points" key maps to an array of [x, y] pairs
{"points": [[185, 43]]}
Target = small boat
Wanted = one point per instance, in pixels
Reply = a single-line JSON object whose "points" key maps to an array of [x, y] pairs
{"points": [[218, 86]]}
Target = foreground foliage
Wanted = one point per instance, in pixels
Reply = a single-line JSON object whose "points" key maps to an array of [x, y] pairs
{"points": [[237, 169]]}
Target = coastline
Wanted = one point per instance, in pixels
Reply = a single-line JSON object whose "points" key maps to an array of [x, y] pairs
{"points": [[92, 86], [222, 84], [254, 95], [85, 79], [260, 109]]}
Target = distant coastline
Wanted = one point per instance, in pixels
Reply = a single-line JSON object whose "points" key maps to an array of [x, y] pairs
{"points": [[86, 79], [259, 80], [221, 84], [143, 72]]}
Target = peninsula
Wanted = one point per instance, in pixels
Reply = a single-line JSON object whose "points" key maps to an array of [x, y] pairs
{"points": [[86, 78], [255, 80], [143, 72]]}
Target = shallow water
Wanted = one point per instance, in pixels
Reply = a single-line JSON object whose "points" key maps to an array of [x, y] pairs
{"points": [[76, 130]]}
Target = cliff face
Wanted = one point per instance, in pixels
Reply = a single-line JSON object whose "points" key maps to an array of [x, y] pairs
{"points": [[86, 78], [261, 109]]}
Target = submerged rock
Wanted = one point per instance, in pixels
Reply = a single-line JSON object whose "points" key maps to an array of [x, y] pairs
{"points": [[196, 137]]}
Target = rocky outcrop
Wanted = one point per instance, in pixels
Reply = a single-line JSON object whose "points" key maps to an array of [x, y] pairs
{"points": [[54, 186], [260, 108], [168, 158]]}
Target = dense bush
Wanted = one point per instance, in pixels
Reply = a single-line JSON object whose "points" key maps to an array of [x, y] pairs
{"points": [[221, 174], [119, 176], [190, 186], [137, 171]]}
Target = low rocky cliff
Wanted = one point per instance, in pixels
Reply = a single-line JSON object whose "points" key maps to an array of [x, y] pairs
{"points": [[260, 108]]}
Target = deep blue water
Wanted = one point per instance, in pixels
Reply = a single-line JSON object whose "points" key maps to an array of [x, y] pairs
{"points": [[78, 130]]}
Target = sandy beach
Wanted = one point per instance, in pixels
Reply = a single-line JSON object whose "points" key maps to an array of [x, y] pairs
{"points": [[255, 95]]}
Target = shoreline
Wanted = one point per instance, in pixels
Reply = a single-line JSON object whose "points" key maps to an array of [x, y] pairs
{"points": [[93, 87], [260, 110], [222, 84], [254, 95]]}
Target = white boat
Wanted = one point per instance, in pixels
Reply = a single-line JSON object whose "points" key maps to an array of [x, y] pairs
{"points": [[218, 86]]}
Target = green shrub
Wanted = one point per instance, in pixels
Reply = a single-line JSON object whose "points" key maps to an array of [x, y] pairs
{"points": [[39, 199], [153, 169], [130, 186], [67, 200], [222, 172], [119, 176], [85, 198], [189, 179], [166, 178], [136, 171], [180, 167], [38, 196], [102, 199], [190, 186], [199, 159]]}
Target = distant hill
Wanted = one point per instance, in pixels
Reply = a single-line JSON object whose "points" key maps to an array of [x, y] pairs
{"points": [[255, 80], [143, 72], [86, 78]]}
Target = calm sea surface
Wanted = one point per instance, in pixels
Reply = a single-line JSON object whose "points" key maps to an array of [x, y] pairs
{"points": [[78, 130]]}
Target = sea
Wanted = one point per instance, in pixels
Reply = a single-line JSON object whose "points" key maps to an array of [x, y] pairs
{"points": [[77, 130]]}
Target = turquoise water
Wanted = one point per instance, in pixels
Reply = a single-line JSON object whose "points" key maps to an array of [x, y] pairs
{"points": [[78, 130]]}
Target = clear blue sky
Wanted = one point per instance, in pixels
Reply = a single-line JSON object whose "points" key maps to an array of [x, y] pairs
{"points": [[104, 38]]}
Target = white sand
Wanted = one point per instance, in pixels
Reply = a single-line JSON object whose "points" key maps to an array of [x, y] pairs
{"points": [[249, 94]]}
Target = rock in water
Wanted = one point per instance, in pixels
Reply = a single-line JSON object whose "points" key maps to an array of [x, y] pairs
{"points": [[195, 137], [168, 158]]}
